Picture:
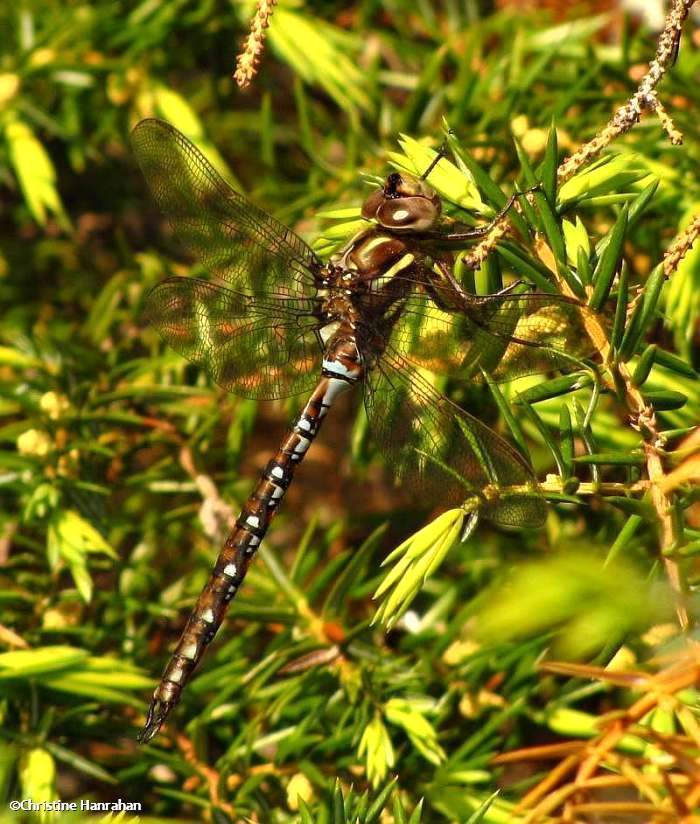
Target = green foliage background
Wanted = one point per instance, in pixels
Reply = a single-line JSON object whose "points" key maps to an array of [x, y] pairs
{"points": [[104, 541]]}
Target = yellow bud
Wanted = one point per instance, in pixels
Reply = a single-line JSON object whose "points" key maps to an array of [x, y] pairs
{"points": [[93, 58], [564, 140], [163, 774], [487, 698], [299, 787], [134, 75], [54, 404], [117, 91], [468, 706], [659, 633], [519, 125], [623, 660], [37, 773], [41, 57], [458, 651], [53, 619], [9, 86], [34, 442], [534, 141]]}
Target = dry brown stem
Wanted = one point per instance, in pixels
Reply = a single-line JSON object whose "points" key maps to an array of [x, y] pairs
{"points": [[641, 414], [248, 60], [211, 777], [594, 765]]}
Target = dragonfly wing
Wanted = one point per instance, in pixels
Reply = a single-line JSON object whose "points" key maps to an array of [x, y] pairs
{"points": [[537, 332], [256, 348], [440, 451], [508, 336], [235, 241]]}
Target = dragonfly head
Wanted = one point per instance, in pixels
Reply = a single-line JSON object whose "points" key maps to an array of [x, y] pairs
{"points": [[404, 203]]}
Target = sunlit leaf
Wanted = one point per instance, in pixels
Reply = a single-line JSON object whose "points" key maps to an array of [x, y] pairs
{"points": [[35, 172]]}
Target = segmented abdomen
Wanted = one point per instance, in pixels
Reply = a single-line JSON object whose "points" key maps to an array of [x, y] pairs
{"points": [[239, 549]]}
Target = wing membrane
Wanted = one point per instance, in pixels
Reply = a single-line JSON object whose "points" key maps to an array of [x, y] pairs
{"points": [[256, 348], [439, 450], [508, 336], [236, 241]]}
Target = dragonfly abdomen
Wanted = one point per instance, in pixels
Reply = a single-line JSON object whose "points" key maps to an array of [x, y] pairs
{"points": [[242, 544]]}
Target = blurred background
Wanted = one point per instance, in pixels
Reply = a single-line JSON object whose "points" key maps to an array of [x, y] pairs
{"points": [[107, 529]]}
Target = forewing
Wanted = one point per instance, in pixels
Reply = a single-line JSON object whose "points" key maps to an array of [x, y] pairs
{"points": [[235, 241], [256, 348], [442, 453], [508, 336]]}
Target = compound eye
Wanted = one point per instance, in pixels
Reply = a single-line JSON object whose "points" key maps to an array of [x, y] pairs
{"points": [[416, 213], [372, 204]]}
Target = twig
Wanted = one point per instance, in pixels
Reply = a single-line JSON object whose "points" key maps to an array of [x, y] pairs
{"points": [[210, 775], [644, 98], [248, 59], [643, 419], [666, 683], [478, 254], [663, 503], [622, 121], [642, 415], [590, 757], [681, 246], [554, 484]]}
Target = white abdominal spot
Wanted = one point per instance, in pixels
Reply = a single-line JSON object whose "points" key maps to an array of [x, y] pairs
{"points": [[335, 387], [190, 651], [338, 368], [303, 445]]}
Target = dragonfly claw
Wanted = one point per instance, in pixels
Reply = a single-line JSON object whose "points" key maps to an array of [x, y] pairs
{"points": [[157, 713]]}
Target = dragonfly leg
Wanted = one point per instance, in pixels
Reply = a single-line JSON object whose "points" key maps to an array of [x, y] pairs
{"points": [[513, 286], [595, 396], [447, 293], [479, 231], [441, 152], [482, 231]]}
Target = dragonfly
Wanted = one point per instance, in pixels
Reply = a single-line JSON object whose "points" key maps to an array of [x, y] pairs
{"points": [[272, 320]]}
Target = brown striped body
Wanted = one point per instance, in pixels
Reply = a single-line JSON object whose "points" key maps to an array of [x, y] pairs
{"points": [[342, 368]]}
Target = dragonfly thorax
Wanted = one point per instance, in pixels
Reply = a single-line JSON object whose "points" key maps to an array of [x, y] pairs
{"points": [[337, 307]]}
